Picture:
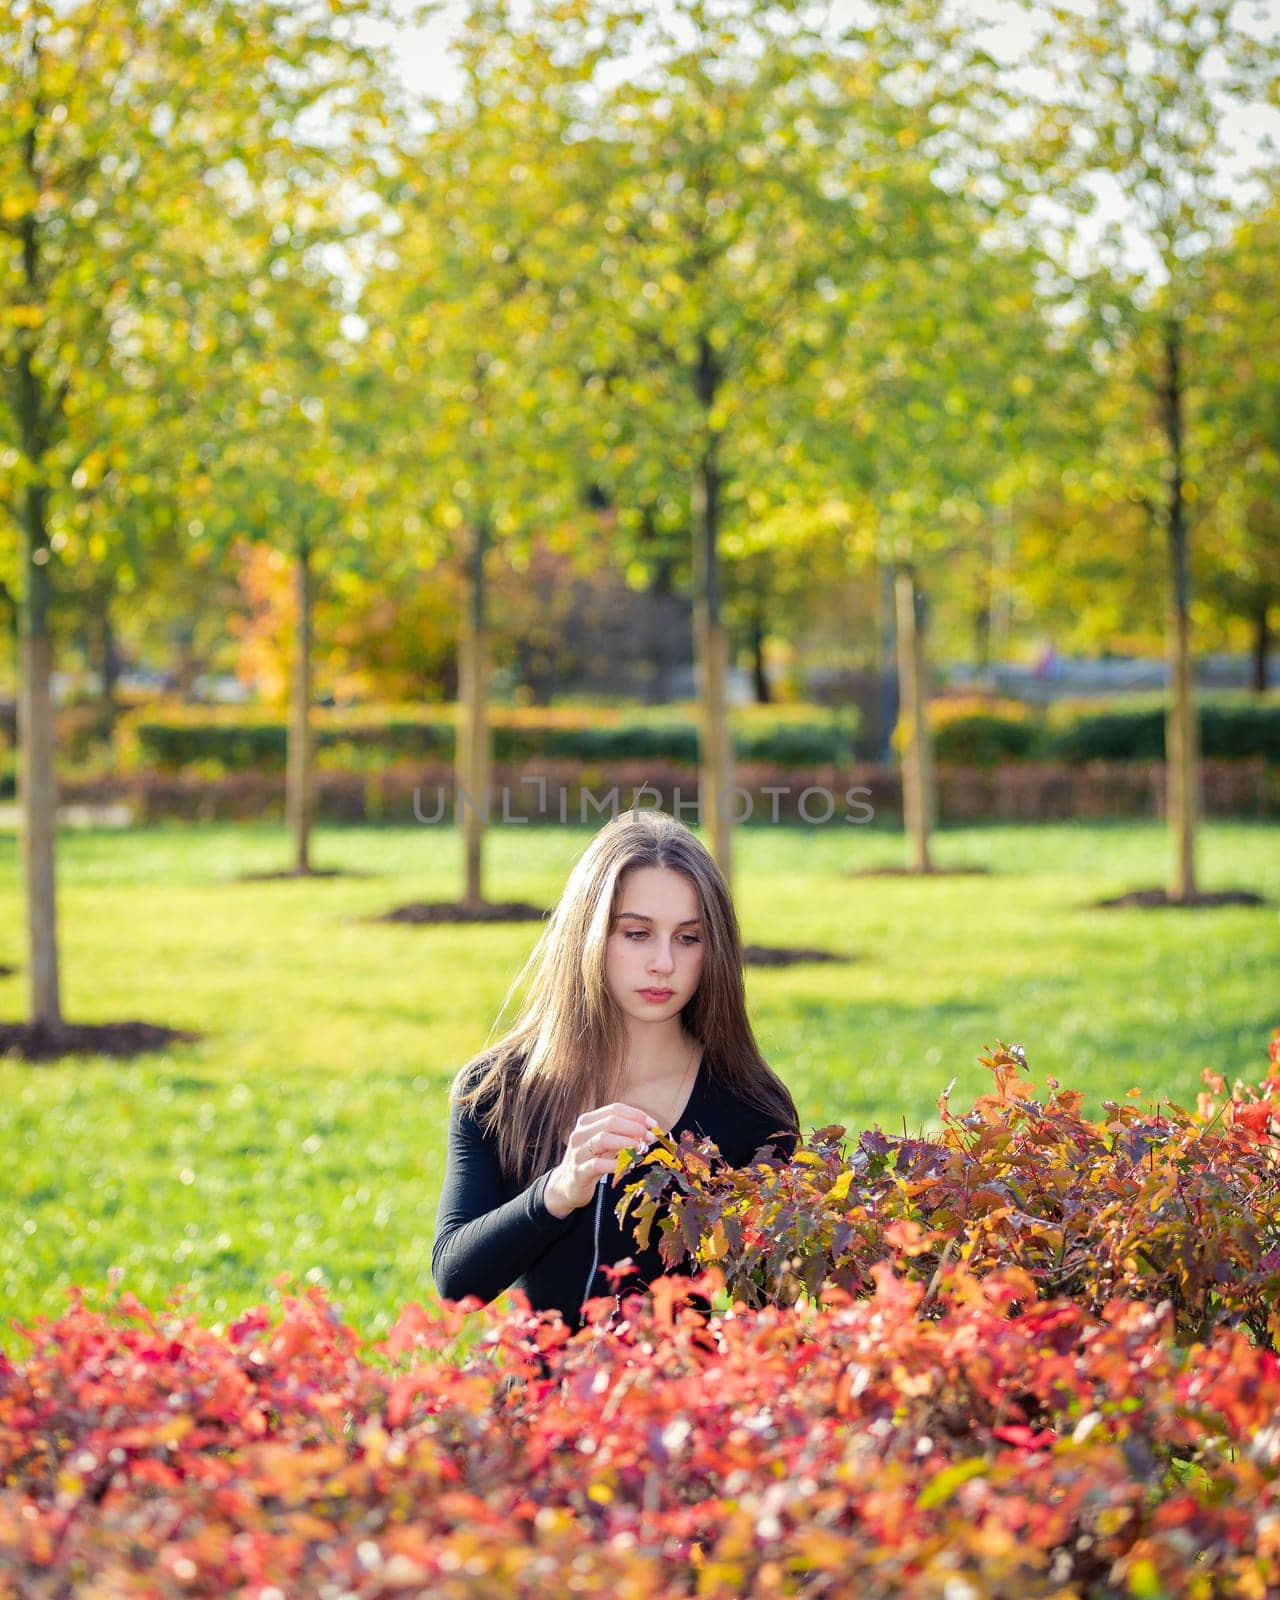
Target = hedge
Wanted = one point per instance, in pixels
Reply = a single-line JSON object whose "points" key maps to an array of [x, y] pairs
{"points": [[967, 732], [368, 739], [1231, 729], [1028, 1356], [1160, 1203]]}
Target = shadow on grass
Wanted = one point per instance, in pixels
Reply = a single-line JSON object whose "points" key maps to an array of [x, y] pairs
{"points": [[283, 874], [42, 1041], [462, 911], [1155, 899], [912, 872], [771, 955]]}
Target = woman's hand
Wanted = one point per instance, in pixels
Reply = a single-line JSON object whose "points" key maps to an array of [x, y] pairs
{"points": [[592, 1152]]}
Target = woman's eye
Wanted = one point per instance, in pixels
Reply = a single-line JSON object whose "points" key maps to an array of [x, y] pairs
{"points": [[635, 933]]}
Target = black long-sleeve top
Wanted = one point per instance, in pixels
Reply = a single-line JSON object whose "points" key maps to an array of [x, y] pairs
{"points": [[491, 1235]]}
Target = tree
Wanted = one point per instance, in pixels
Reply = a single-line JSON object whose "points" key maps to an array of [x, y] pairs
{"points": [[1239, 430], [295, 477], [461, 307], [120, 117], [926, 398], [710, 233], [1140, 108]]}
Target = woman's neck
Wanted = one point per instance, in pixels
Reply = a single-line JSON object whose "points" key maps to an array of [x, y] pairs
{"points": [[658, 1051]]}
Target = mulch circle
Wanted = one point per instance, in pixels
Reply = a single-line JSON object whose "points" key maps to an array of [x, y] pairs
{"points": [[460, 911], [38, 1041], [770, 955], [910, 872], [292, 872], [1154, 899]]}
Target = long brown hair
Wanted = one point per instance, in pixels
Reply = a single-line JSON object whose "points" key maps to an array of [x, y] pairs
{"points": [[565, 1052]]}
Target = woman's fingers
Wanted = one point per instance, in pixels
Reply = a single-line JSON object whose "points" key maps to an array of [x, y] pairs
{"points": [[621, 1116]]}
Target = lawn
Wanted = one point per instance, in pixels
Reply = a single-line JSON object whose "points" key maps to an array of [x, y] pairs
{"points": [[306, 1132]]}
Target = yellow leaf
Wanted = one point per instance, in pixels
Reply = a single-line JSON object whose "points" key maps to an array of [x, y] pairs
{"points": [[840, 1188]]}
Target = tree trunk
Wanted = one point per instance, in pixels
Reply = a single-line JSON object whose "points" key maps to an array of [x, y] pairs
{"points": [[37, 791], [758, 673], [300, 774], [715, 763], [473, 759], [886, 666], [1261, 649], [108, 669], [918, 807], [982, 641], [657, 643], [984, 603], [1001, 590], [183, 663], [1181, 731], [665, 643]]}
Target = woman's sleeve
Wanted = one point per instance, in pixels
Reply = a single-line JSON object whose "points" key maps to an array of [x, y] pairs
{"points": [[483, 1244]]}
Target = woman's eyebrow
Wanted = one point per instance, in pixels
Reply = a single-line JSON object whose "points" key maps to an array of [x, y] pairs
{"points": [[640, 917]]}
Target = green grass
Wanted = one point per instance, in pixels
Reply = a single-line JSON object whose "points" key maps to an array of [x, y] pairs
{"points": [[306, 1132]]}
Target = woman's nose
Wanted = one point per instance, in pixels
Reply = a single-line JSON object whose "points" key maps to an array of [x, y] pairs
{"points": [[660, 959]]}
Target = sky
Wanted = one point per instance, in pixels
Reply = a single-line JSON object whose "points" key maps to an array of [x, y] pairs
{"points": [[423, 61]]}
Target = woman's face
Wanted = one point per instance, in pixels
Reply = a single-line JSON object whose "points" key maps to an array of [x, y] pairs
{"points": [[653, 958]]}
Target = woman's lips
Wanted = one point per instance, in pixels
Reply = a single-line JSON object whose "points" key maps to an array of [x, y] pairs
{"points": [[657, 994]]}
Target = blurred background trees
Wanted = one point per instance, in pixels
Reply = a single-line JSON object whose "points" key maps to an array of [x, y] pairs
{"points": [[725, 350]]}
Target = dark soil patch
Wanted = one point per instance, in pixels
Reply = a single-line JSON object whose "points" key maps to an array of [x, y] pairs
{"points": [[1153, 899], [457, 911], [6, 972], [37, 1041], [910, 872], [292, 872], [770, 955]]}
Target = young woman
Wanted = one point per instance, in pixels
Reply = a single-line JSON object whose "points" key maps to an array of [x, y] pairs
{"points": [[634, 1019]]}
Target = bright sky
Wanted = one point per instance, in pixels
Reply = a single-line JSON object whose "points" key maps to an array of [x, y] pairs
{"points": [[422, 54]]}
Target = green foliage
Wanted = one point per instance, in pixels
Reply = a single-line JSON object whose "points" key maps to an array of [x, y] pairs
{"points": [[967, 733], [244, 742], [1230, 730]]}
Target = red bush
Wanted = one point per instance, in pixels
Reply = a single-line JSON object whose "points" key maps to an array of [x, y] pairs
{"points": [[945, 1423], [1160, 1204], [861, 1447]]}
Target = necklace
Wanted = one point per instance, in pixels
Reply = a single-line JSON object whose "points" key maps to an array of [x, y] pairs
{"points": [[693, 1059]]}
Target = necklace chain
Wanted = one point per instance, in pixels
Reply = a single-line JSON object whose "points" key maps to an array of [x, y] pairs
{"points": [[693, 1057]]}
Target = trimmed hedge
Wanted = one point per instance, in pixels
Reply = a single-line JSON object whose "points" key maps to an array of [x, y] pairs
{"points": [[1230, 730], [365, 740], [967, 733], [983, 739]]}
